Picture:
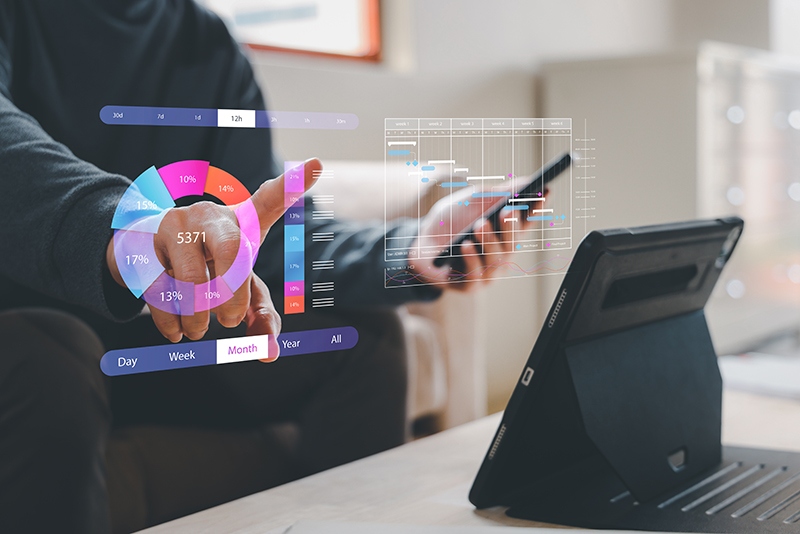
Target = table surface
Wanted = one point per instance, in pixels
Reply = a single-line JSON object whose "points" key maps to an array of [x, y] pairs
{"points": [[426, 482]]}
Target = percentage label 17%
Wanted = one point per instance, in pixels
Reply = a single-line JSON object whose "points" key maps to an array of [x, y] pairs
{"points": [[133, 259]]}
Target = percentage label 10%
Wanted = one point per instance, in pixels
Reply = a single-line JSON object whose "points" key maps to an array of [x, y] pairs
{"points": [[212, 294], [188, 179]]}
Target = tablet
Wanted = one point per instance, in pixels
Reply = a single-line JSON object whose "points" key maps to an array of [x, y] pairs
{"points": [[615, 421]]}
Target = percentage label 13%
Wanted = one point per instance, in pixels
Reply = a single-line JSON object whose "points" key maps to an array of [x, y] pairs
{"points": [[169, 296]]}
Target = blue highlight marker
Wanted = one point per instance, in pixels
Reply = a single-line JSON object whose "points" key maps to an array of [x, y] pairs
{"points": [[454, 184], [515, 208], [425, 180], [489, 195], [428, 167], [399, 152], [541, 218]]}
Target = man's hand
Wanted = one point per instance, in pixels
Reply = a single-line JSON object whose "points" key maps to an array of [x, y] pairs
{"points": [[198, 261], [485, 247]]}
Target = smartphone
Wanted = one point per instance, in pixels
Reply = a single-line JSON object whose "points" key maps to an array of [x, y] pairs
{"points": [[535, 184]]}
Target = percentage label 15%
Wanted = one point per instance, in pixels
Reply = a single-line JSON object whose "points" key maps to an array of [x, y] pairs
{"points": [[146, 205]]}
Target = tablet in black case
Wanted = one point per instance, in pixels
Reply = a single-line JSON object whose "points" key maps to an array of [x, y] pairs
{"points": [[615, 421]]}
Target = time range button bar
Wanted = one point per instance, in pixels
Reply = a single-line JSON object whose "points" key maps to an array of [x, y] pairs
{"points": [[226, 118], [217, 352]]}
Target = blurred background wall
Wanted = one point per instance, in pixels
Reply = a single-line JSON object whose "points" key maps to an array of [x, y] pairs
{"points": [[629, 68]]}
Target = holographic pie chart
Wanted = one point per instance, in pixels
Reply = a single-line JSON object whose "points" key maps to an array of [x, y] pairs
{"points": [[139, 214]]}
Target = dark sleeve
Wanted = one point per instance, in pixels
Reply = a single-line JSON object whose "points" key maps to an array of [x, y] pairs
{"points": [[57, 209]]}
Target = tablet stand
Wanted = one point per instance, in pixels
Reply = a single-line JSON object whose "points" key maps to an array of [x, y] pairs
{"points": [[650, 401]]}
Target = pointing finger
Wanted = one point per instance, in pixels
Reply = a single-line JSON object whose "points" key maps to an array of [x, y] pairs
{"points": [[271, 199]]}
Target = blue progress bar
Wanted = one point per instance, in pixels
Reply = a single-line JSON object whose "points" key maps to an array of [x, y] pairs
{"points": [[428, 168], [486, 195], [515, 208], [455, 184], [541, 218], [399, 152]]}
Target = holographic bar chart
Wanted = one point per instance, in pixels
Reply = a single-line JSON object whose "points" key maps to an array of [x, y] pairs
{"points": [[294, 238], [469, 163]]}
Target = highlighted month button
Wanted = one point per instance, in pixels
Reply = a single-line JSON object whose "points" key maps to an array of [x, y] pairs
{"points": [[240, 349]]}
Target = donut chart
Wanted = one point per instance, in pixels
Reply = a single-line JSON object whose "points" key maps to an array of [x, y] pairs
{"points": [[139, 214]]}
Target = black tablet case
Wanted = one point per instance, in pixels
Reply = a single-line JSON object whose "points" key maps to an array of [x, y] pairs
{"points": [[622, 429]]}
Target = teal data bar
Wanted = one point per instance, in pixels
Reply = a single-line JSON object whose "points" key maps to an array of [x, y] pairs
{"points": [[238, 349]]}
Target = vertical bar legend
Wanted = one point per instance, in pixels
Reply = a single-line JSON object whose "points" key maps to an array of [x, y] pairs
{"points": [[294, 238]]}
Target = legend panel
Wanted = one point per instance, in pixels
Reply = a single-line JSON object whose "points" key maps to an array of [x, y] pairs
{"points": [[294, 238]]}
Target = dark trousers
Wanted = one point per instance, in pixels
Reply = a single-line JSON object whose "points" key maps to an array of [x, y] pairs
{"points": [[58, 414]]}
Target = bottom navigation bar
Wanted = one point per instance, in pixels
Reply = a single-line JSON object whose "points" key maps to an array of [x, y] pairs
{"points": [[216, 352]]}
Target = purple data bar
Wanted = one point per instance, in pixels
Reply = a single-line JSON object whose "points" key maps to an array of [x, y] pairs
{"points": [[161, 116]]}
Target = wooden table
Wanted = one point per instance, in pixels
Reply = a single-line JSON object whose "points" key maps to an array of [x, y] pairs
{"points": [[426, 481]]}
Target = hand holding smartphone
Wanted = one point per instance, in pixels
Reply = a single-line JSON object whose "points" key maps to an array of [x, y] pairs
{"points": [[525, 188]]}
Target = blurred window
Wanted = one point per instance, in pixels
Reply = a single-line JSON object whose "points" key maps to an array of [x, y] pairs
{"points": [[336, 28]]}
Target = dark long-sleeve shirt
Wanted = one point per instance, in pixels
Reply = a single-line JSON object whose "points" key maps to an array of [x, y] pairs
{"points": [[62, 171]]}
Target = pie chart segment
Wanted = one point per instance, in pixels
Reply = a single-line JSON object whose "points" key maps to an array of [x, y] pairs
{"points": [[171, 295], [136, 260], [146, 196], [250, 227], [240, 270], [211, 294], [225, 187], [184, 178]]}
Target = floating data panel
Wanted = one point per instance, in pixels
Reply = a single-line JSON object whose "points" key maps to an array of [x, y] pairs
{"points": [[455, 171]]}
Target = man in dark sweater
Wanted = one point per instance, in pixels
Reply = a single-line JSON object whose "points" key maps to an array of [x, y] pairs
{"points": [[62, 173]]}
